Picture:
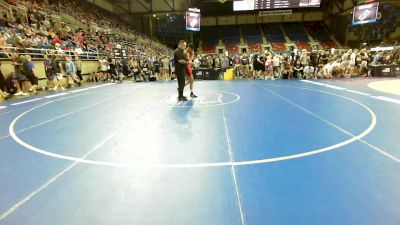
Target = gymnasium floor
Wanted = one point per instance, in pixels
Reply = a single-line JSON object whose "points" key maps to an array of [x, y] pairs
{"points": [[243, 153]]}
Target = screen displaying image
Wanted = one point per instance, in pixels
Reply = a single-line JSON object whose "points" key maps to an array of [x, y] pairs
{"points": [[365, 13], [246, 5], [193, 21], [310, 3], [243, 5]]}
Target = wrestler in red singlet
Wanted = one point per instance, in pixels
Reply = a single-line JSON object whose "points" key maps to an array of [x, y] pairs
{"points": [[190, 55]]}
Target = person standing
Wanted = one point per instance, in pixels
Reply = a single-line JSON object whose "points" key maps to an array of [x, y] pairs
{"points": [[71, 72], [18, 77], [28, 69], [180, 68], [47, 69], [224, 64], [56, 72], [78, 65], [189, 53], [3, 86], [165, 71]]}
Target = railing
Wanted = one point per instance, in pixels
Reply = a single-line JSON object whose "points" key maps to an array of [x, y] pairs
{"points": [[7, 7], [19, 9], [40, 52]]}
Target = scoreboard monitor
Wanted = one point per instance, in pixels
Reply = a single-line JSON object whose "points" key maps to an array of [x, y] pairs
{"points": [[246, 5], [193, 20], [366, 13]]}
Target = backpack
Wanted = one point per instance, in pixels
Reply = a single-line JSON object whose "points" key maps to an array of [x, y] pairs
{"points": [[10, 85]]}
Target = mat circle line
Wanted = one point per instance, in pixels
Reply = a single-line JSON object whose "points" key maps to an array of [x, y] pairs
{"points": [[202, 165]]}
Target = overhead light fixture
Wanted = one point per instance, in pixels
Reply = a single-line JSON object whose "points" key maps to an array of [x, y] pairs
{"points": [[154, 15]]}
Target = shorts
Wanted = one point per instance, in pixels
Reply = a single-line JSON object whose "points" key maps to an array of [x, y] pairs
{"points": [[33, 79], [19, 76], [189, 70]]}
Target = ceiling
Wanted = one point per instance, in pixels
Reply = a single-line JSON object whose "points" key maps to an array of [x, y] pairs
{"points": [[131, 8]]}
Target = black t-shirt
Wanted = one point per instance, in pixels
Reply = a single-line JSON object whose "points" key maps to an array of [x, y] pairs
{"points": [[324, 59], [254, 60], [156, 64], [314, 58], [179, 55], [55, 66]]}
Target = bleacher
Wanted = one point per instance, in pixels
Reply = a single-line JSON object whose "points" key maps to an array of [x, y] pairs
{"points": [[317, 31], [232, 48], [279, 46], [295, 32], [230, 34], [210, 35], [254, 47], [328, 44], [208, 48], [273, 33], [251, 34], [171, 32], [303, 45], [103, 37]]}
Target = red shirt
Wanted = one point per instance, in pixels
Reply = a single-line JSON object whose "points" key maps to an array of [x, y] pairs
{"points": [[57, 40]]}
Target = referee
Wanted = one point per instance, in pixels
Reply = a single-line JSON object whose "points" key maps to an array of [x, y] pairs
{"points": [[180, 68]]}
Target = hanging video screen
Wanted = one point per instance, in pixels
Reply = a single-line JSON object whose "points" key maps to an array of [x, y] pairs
{"points": [[367, 13], [193, 21]]}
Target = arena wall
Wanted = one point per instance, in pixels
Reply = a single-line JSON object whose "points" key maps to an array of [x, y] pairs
{"points": [[88, 66]]}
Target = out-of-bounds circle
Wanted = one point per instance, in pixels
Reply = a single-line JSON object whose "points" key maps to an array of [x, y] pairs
{"points": [[204, 99], [203, 165], [387, 86]]}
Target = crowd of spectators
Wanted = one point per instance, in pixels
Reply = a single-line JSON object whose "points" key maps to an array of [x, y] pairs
{"points": [[300, 64], [35, 30], [41, 28]]}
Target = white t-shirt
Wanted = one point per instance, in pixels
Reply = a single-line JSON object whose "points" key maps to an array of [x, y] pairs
{"points": [[196, 63], [336, 65], [103, 65], [309, 70], [353, 59], [277, 61], [329, 67], [165, 63]]}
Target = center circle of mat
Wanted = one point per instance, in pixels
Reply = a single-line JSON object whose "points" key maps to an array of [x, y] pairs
{"points": [[202, 165], [206, 98]]}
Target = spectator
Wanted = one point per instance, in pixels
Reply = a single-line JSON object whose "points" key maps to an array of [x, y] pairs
{"points": [[28, 66], [78, 65], [70, 70], [56, 74], [48, 72], [17, 75], [3, 89]]}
